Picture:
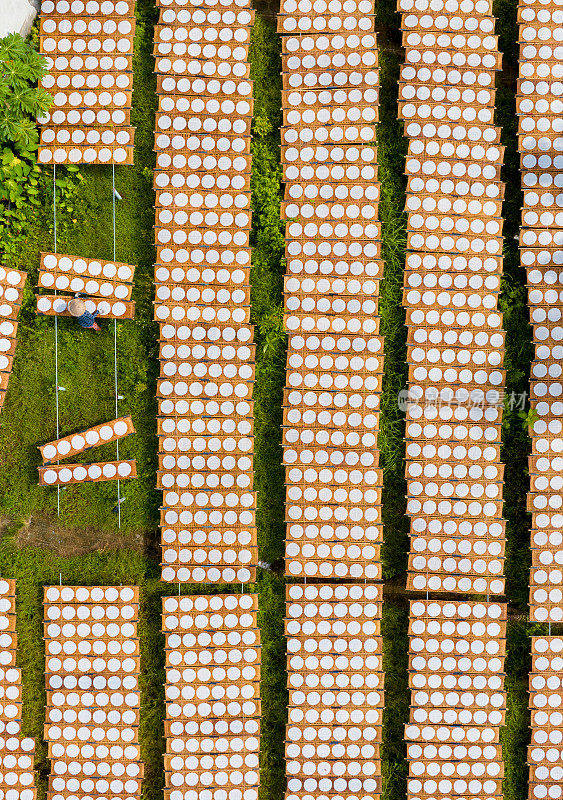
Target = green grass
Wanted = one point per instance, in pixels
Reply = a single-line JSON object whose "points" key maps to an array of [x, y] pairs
{"points": [[391, 153], [392, 147], [266, 301], [513, 303], [110, 555], [86, 372], [394, 767], [86, 360], [33, 568], [516, 443], [515, 736], [268, 266]]}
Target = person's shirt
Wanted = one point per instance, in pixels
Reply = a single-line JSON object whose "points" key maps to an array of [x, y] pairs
{"points": [[86, 320]]}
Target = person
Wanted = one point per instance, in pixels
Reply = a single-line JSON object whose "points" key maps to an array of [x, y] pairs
{"points": [[86, 319]]}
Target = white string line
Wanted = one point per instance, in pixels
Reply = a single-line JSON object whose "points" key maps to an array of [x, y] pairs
{"points": [[57, 341], [56, 329], [115, 353]]}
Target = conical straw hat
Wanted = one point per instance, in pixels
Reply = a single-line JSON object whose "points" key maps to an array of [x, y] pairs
{"points": [[76, 306]]}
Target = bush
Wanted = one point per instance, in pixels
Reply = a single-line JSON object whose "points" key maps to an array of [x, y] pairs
{"points": [[22, 100]]}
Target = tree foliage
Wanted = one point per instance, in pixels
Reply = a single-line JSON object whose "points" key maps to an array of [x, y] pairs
{"points": [[22, 100]]}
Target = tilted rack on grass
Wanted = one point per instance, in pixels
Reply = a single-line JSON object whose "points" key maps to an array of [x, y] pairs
{"points": [[62, 474], [84, 440], [98, 277]]}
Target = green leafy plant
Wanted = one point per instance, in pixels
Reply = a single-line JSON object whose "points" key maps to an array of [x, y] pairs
{"points": [[23, 185], [529, 418], [22, 100], [14, 172]]}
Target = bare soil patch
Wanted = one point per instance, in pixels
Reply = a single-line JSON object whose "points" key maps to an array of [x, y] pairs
{"points": [[44, 532]]}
